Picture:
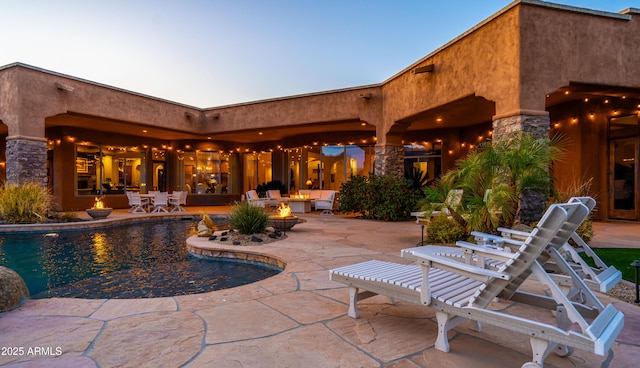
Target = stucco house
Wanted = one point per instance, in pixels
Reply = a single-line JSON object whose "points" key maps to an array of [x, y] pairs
{"points": [[533, 66]]}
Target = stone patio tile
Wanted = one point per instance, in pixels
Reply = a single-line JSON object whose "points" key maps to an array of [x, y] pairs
{"points": [[61, 362], [386, 337], [163, 339], [315, 280], [625, 355], [305, 307], [57, 307], [338, 252], [467, 351], [241, 321], [116, 308], [629, 333], [404, 363], [280, 284], [211, 299], [304, 265], [72, 334], [311, 346]]}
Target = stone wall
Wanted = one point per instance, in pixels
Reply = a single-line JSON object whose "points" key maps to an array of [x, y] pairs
{"points": [[537, 125], [532, 204], [389, 160], [26, 161]]}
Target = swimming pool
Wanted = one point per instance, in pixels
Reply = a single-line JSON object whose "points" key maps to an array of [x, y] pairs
{"points": [[142, 260]]}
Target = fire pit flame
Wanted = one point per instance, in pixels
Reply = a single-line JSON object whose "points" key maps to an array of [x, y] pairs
{"points": [[99, 203], [283, 210]]}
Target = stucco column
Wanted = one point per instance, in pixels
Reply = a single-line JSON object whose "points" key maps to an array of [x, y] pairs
{"points": [[26, 160], [532, 204]]}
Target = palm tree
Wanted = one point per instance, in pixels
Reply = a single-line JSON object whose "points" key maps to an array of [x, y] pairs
{"points": [[503, 182]]}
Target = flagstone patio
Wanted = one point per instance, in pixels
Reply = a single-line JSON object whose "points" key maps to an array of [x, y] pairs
{"points": [[297, 318]]}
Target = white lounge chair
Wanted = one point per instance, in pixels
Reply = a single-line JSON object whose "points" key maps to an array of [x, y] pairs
{"points": [[453, 201], [599, 278], [459, 291]]}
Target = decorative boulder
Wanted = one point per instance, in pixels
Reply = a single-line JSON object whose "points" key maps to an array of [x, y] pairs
{"points": [[204, 230], [13, 290], [206, 226]]}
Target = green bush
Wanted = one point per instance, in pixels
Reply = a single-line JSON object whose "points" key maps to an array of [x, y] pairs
{"points": [[248, 219], [384, 197], [263, 188], [444, 230], [25, 203], [353, 194]]}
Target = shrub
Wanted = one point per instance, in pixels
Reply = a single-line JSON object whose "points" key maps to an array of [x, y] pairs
{"points": [[24, 203], [67, 216], [248, 219], [444, 230], [263, 188], [353, 194], [384, 197]]}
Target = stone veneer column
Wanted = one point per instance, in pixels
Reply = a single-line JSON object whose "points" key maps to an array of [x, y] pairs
{"points": [[389, 160], [532, 204], [537, 125], [26, 160]]}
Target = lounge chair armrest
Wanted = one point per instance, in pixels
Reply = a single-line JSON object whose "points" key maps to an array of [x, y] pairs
{"points": [[493, 253], [496, 239], [511, 233], [447, 264]]}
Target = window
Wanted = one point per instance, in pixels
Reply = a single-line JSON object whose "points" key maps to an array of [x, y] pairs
{"points": [[108, 170]]}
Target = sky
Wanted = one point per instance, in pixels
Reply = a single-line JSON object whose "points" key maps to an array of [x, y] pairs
{"points": [[208, 53]]}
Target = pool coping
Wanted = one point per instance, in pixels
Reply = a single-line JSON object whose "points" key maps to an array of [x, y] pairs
{"points": [[201, 246], [94, 224]]}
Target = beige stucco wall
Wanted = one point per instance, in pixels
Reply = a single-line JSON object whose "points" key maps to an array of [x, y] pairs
{"points": [[33, 95], [332, 106], [559, 47]]}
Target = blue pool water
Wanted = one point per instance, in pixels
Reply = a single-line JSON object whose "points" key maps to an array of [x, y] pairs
{"points": [[131, 261]]}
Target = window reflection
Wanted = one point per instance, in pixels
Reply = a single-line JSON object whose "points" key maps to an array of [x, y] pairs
{"points": [[108, 170]]}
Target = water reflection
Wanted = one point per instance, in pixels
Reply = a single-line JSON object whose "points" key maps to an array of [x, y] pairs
{"points": [[133, 261]]}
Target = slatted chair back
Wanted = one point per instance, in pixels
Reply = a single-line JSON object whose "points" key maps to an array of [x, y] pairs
{"points": [[554, 229]]}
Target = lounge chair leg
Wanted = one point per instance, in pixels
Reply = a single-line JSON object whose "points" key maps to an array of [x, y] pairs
{"points": [[475, 326], [353, 302], [445, 323], [541, 348]]}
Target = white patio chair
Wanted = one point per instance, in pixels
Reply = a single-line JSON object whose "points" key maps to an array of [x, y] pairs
{"points": [[255, 200], [160, 202], [136, 203], [177, 200]]}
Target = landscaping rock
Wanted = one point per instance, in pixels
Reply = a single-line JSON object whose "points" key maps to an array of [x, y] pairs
{"points": [[213, 237], [235, 242], [256, 239], [13, 290]]}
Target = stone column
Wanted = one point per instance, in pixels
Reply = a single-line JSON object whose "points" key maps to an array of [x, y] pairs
{"points": [[538, 125], [532, 204], [389, 160], [26, 160]]}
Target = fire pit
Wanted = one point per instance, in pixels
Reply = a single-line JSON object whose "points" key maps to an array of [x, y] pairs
{"points": [[283, 220], [99, 211]]}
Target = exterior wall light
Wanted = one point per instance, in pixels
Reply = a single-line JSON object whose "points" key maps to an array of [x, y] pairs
{"points": [[424, 69]]}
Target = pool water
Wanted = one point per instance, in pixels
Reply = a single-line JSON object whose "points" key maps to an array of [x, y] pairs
{"points": [[131, 261]]}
